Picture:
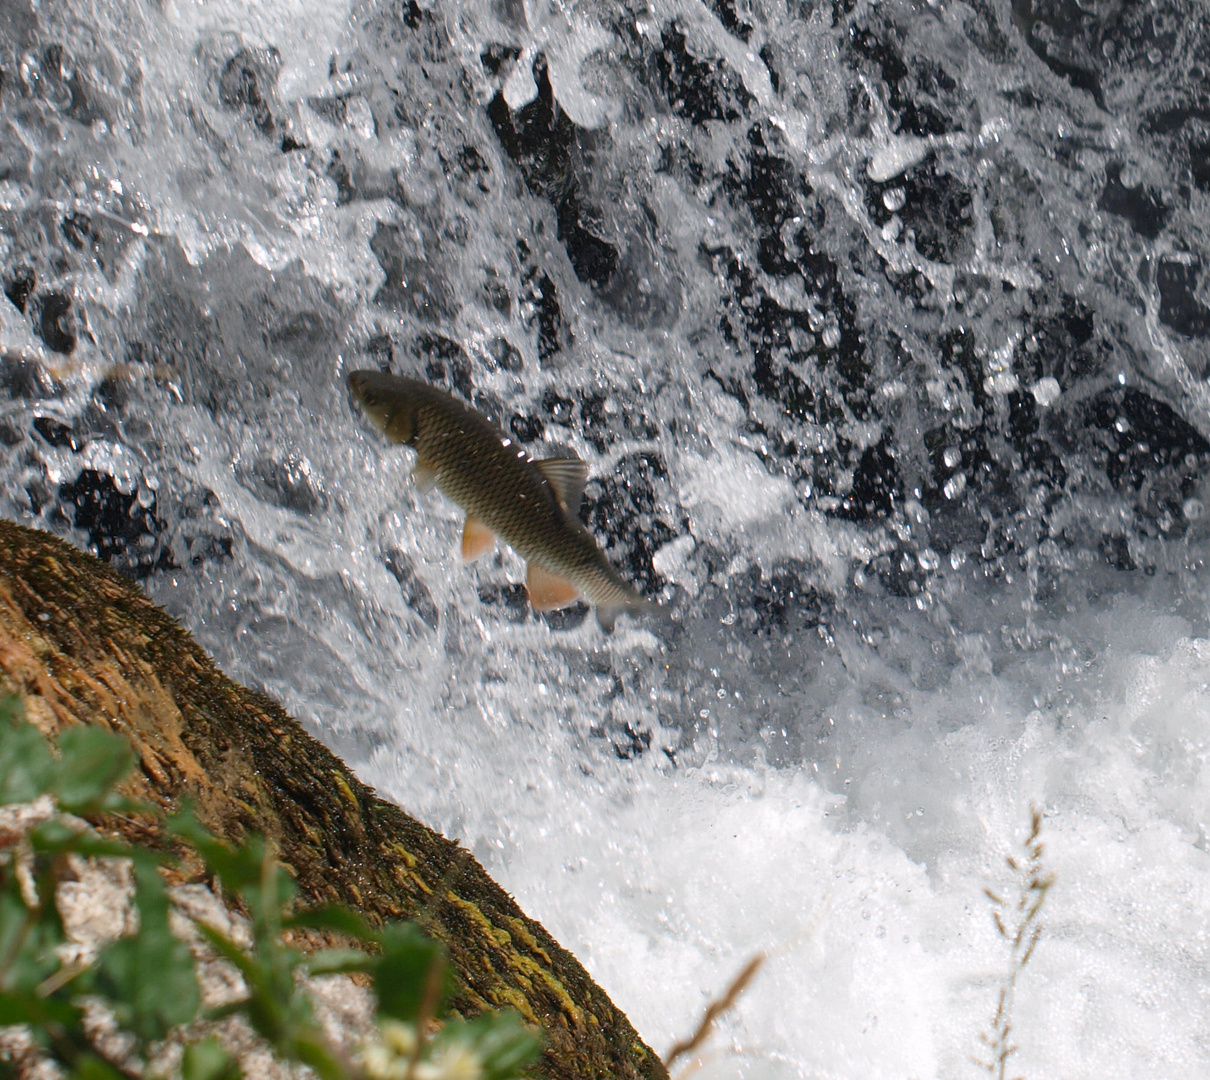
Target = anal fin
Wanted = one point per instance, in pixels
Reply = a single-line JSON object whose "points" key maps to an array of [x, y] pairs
{"points": [[477, 539], [547, 590]]}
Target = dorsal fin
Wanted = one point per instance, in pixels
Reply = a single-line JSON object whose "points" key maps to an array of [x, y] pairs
{"points": [[567, 475]]}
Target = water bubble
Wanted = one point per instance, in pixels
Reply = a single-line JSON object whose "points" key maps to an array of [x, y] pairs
{"points": [[954, 486], [952, 457], [894, 199], [1046, 391], [1193, 509], [928, 559], [1121, 425], [831, 336]]}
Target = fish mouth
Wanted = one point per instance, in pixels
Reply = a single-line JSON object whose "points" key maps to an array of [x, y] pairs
{"points": [[359, 384]]}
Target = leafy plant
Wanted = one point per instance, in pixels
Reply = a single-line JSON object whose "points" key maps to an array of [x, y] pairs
{"points": [[146, 982], [1019, 924]]}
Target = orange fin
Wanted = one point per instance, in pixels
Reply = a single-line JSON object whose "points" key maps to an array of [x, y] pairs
{"points": [[567, 475], [477, 539], [425, 475], [547, 590]]}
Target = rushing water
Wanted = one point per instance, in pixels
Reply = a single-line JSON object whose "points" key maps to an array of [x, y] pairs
{"points": [[884, 330]]}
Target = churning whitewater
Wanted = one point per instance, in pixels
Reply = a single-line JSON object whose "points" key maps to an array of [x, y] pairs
{"points": [[882, 329]]}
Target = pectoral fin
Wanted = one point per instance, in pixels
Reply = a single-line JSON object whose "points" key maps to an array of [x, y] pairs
{"points": [[548, 591], [425, 475], [477, 539], [567, 476]]}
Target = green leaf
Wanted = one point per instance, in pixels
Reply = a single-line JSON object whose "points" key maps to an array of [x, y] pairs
{"points": [[312, 1049], [27, 769], [18, 1009], [91, 1067], [401, 975], [501, 1041], [91, 762], [38, 1012], [207, 1060], [55, 838], [339, 961], [342, 920], [229, 951], [250, 871], [231, 865], [275, 1006], [27, 940], [149, 978]]}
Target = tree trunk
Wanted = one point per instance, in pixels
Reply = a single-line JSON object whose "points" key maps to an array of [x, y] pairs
{"points": [[82, 645]]}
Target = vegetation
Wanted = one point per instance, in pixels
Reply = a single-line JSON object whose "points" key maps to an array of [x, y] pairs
{"points": [[1020, 926], [145, 983]]}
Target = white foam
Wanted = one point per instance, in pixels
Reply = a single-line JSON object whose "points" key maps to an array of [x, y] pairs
{"points": [[883, 960]]}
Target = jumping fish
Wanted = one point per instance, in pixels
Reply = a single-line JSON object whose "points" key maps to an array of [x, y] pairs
{"points": [[534, 505]]}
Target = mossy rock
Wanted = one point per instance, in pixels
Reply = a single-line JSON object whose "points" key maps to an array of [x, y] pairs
{"points": [[82, 645]]}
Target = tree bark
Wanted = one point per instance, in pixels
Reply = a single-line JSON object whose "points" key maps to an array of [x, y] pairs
{"points": [[82, 645]]}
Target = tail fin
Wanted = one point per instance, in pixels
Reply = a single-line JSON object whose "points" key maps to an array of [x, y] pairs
{"points": [[607, 613]]}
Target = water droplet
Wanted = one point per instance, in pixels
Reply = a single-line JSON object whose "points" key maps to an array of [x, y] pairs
{"points": [[1046, 391], [1193, 509], [952, 457], [954, 486], [894, 199]]}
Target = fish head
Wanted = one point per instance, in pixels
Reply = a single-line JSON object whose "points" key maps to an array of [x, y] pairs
{"points": [[387, 402]]}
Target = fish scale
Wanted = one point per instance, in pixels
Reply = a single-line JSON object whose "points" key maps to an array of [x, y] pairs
{"points": [[493, 479]]}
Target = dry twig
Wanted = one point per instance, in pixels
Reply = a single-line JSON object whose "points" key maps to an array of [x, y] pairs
{"points": [[715, 1009]]}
